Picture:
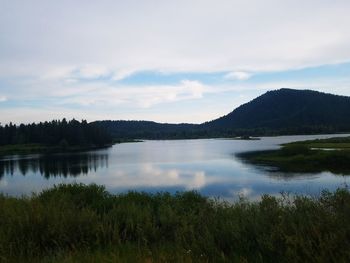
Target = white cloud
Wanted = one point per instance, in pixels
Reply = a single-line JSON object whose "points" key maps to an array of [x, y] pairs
{"points": [[152, 176], [244, 192], [138, 96], [172, 36], [48, 47], [238, 75], [122, 74], [59, 72], [3, 98], [85, 72], [3, 183], [103, 100], [90, 71]]}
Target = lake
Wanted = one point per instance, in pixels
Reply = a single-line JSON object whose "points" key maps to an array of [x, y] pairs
{"points": [[209, 166]]}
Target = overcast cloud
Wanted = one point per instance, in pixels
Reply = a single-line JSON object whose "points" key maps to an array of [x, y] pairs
{"points": [[57, 57]]}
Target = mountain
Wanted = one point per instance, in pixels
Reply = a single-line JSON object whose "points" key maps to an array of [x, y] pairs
{"points": [[288, 111], [278, 112]]}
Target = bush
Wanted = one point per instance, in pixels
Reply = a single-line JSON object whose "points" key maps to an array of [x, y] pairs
{"points": [[295, 149], [73, 223]]}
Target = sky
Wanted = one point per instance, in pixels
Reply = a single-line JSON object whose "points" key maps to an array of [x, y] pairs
{"points": [[166, 61]]}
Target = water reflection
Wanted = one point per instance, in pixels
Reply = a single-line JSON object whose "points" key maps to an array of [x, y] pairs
{"points": [[148, 177], [62, 165], [208, 166]]}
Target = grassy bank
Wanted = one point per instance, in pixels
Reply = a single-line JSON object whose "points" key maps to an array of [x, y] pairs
{"points": [[21, 149], [340, 143], [126, 141], [308, 156], [77, 223], [44, 149]]}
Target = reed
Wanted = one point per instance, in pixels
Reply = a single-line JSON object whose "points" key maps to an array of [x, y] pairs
{"points": [[85, 223]]}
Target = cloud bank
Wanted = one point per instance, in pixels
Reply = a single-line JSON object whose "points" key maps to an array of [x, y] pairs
{"points": [[69, 55], [184, 35]]}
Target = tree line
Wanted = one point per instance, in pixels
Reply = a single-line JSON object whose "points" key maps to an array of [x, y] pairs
{"points": [[56, 132]]}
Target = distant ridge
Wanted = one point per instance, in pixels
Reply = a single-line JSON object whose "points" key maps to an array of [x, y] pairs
{"points": [[278, 112], [289, 109]]}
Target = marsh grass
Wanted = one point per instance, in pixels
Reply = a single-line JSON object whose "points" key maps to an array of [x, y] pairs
{"points": [[21, 149], [85, 223], [311, 156], [314, 161], [336, 143]]}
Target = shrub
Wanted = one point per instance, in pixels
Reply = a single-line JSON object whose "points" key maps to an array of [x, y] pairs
{"points": [[73, 223]]}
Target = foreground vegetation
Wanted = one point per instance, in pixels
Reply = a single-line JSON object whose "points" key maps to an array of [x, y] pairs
{"points": [[307, 156], [78, 223]]}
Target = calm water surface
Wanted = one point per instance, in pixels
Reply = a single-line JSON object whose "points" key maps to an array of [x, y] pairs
{"points": [[209, 166]]}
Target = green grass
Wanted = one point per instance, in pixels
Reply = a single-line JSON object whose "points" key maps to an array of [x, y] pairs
{"points": [[41, 149], [79, 223], [21, 149], [126, 140], [307, 156], [331, 143]]}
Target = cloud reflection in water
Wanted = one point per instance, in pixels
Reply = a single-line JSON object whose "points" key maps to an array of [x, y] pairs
{"points": [[208, 166]]}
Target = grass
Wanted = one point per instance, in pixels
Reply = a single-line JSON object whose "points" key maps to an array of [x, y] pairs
{"points": [[308, 156], [85, 223], [341, 143], [21, 149], [126, 140], [42, 149]]}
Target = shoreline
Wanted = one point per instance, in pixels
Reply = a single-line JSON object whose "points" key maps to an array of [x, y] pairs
{"points": [[306, 156], [25, 149]]}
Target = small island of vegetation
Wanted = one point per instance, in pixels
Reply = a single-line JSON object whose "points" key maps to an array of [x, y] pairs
{"points": [[50, 137], [307, 156], [85, 223]]}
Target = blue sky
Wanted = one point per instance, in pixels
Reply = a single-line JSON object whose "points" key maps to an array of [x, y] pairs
{"points": [[167, 61]]}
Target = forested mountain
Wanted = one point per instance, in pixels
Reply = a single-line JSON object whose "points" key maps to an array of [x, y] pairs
{"points": [[64, 133], [288, 111], [278, 112]]}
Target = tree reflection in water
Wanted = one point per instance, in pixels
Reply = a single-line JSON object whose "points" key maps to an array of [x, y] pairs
{"points": [[54, 165]]}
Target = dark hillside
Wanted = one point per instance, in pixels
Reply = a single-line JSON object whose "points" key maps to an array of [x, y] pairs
{"points": [[289, 111], [278, 112]]}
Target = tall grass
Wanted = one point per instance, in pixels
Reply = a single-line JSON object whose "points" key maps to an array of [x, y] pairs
{"points": [[301, 159], [79, 223]]}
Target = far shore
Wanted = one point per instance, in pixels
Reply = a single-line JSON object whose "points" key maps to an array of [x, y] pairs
{"points": [[23, 149]]}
